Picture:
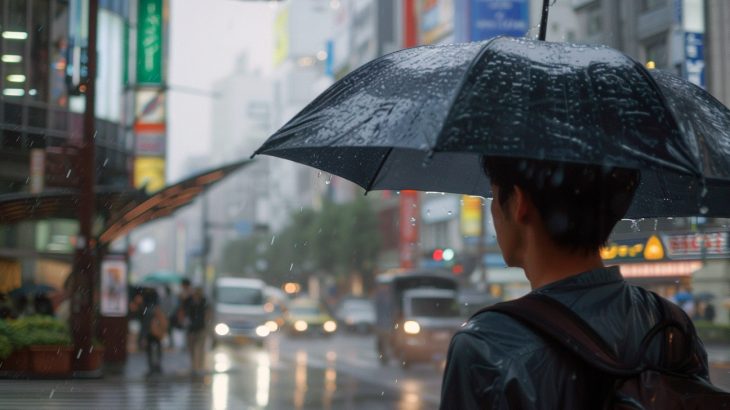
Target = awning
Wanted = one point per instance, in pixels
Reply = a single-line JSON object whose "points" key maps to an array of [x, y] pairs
{"points": [[166, 201], [63, 203], [124, 209]]}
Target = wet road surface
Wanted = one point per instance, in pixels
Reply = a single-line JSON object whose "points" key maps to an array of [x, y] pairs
{"points": [[342, 372]]}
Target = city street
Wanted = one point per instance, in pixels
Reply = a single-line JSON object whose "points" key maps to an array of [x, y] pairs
{"points": [[338, 373]]}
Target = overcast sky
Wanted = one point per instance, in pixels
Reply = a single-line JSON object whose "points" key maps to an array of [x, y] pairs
{"points": [[206, 39]]}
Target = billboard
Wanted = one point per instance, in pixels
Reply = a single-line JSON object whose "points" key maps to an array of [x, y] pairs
{"points": [[435, 20], [113, 287], [281, 36], [490, 18], [150, 173]]}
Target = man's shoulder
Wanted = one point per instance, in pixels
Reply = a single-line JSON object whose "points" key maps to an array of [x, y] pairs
{"points": [[499, 333]]}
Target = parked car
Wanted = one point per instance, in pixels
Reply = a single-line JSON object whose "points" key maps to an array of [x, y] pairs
{"points": [[356, 315], [309, 317]]}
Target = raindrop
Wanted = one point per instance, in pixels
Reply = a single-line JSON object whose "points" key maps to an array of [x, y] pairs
{"points": [[328, 180], [450, 213], [428, 212], [291, 267], [52, 392], [106, 161], [273, 238], [68, 174], [656, 222], [635, 225], [413, 221], [704, 210], [414, 205]]}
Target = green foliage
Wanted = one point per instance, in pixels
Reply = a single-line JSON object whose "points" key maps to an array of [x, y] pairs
{"points": [[6, 347], [712, 332], [340, 239], [36, 330]]}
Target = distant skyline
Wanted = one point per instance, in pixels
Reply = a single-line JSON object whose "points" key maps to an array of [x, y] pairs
{"points": [[206, 40]]}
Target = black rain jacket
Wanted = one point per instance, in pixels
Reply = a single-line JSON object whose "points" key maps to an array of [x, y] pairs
{"points": [[495, 362]]}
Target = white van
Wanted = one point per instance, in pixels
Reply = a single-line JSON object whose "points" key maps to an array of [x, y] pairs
{"points": [[240, 315]]}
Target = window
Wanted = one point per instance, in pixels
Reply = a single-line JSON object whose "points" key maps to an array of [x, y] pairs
{"points": [[38, 37], [594, 23], [649, 5], [14, 39]]}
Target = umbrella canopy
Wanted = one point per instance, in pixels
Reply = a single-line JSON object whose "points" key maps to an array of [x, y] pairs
{"points": [[31, 289], [162, 277], [423, 118]]}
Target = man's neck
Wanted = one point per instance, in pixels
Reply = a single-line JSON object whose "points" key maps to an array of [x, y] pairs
{"points": [[547, 264]]}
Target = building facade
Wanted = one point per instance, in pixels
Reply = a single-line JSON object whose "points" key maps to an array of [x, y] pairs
{"points": [[42, 74]]}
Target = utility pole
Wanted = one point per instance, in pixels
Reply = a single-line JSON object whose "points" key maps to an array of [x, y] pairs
{"points": [[84, 270], [482, 245]]}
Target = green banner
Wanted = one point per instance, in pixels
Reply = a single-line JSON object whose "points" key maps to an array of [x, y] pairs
{"points": [[149, 42]]}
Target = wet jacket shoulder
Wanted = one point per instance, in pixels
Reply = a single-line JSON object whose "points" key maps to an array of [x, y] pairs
{"points": [[495, 362]]}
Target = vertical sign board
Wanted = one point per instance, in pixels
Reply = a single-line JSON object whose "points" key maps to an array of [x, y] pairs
{"points": [[149, 42], [692, 15], [150, 119], [694, 59], [408, 227], [490, 18], [471, 216], [113, 287]]}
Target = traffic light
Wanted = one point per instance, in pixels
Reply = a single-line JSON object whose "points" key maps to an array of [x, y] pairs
{"points": [[443, 255]]}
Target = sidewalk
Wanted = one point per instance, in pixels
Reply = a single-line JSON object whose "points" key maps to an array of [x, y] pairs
{"points": [[718, 353], [175, 366]]}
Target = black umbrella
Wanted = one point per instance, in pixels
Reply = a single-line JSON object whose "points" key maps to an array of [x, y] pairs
{"points": [[422, 118], [31, 289]]}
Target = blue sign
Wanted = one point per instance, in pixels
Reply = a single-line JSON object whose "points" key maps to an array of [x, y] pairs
{"points": [[694, 58], [490, 18]]}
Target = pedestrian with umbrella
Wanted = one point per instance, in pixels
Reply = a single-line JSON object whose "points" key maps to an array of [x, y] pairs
{"points": [[568, 140]]}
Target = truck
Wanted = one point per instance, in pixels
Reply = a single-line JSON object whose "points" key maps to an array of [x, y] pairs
{"points": [[417, 313]]}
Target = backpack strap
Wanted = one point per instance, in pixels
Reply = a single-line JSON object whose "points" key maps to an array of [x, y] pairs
{"points": [[557, 322]]}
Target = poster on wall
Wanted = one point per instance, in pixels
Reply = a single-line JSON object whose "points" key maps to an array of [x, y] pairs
{"points": [[114, 287], [490, 18]]}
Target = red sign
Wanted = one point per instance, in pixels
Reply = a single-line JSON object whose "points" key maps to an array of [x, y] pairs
{"points": [[408, 228], [696, 245]]}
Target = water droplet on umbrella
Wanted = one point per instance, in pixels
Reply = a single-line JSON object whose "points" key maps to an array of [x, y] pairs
{"points": [[635, 225], [450, 213], [704, 210]]}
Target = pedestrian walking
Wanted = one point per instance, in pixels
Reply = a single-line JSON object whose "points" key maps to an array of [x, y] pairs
{"points": [[155, 324], [197, 317], [550, 220]]}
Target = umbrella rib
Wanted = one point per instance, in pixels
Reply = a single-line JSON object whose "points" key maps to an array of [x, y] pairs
{"points": [[377, 171]]}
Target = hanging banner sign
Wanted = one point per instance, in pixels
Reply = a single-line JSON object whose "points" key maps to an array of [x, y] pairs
{"points": [[149, 42]]}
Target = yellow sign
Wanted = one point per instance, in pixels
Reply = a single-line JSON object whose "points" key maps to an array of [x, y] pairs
{"points": [[150, 173], [471, 215], [281, 36], [651, 250]]}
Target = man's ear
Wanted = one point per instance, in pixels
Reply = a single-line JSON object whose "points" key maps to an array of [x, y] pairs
{"points": [[520, 205]]}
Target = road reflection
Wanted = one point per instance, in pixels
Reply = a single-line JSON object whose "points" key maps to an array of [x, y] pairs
{"points": [[304, 374], [300, 379], [220, 391]]}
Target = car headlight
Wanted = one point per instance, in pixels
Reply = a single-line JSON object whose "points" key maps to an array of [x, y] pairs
{"points": [[411, 327], [272, 326], [222, 329], [330, 326], [262, 331], [300, 325]]}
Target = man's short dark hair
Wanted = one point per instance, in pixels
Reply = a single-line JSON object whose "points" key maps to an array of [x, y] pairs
{"points": [[579, 204]]}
